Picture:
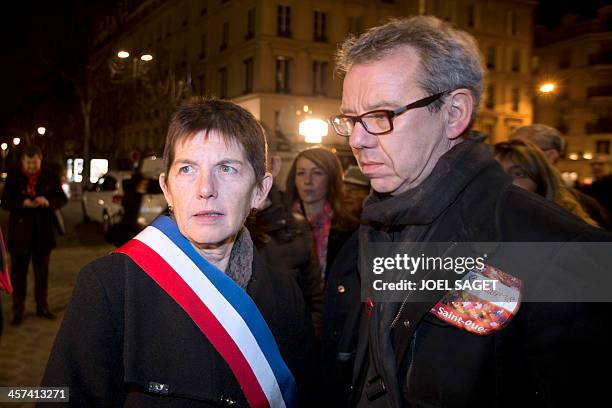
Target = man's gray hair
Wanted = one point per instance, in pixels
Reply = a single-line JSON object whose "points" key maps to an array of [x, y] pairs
{"points": [[545, 137], [450, 58]]}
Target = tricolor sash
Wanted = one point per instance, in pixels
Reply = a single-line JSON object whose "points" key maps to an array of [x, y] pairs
{"points": [[222, 310]]}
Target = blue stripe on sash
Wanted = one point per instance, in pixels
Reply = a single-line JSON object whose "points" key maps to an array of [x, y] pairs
{"points": [[243, 304]]}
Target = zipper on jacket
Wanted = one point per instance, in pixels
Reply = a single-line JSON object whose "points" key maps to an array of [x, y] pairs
{"points": [[403, 305]]}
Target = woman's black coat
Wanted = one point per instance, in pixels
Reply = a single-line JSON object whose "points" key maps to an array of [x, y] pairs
{"points": [[122, 332]]}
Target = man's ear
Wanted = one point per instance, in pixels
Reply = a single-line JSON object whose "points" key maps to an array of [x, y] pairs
{"points": [[260, 193], [459, 105], [165, 189]]}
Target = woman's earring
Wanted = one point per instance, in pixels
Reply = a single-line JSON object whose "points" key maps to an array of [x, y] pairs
{"points": [[170, 209]]}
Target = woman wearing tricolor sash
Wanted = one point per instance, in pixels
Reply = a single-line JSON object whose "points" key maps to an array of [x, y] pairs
{"points": [[187, 313]]}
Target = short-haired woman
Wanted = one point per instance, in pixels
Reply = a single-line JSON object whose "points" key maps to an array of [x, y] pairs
{"points": [[187, 313]]}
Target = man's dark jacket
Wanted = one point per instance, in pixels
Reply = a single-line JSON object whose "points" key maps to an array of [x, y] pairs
{"points": [[31, 229], [601, 190], [549, 355], [122, 332], [341, 316]]}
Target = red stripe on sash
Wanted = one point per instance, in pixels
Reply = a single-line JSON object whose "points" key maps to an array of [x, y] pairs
{"points": [[170, 281]]}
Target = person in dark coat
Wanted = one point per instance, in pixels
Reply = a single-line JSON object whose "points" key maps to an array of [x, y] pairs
{"points": [[136, 335], [283, 238], [601, 188], [31, 194], [411, 89], [134, 189]]}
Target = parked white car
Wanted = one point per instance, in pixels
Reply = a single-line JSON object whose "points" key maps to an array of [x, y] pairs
{"points": [[104, 202]]}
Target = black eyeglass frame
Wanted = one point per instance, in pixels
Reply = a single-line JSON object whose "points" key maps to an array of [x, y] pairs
{"points": [[391, 114]]}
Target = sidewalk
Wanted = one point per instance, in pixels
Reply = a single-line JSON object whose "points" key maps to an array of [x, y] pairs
{"points": [[24, 349]]}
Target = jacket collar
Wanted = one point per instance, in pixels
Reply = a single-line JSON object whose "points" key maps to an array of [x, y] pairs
{"points": [[424, 203]]}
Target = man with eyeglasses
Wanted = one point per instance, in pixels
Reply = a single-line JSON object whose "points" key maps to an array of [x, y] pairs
{"points": [[410, 93]]}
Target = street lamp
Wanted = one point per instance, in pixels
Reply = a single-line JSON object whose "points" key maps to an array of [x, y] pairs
{"points": [[547, 87], [313, 130], [41, 130], [133, 64], [16, 141], [4, 147]]}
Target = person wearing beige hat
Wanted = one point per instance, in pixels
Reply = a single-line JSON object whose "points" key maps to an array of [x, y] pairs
{"points": [[356, 189]]}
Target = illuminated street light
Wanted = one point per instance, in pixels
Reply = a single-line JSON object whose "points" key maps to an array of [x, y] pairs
{"points": [[547, 87], [123, 54], [41, 130], [4, 146], [574, 156], [313, 130], [587, 156], [16, 141], [146, 57]]}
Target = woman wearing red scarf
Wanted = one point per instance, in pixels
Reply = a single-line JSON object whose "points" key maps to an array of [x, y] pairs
{"points": [[314, 185]]}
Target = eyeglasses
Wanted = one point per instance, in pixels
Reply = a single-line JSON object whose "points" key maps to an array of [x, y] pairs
{"points": [[377, 122]]}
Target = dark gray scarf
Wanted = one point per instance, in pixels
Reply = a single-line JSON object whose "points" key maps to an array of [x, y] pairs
{"points": [[240, 266]]}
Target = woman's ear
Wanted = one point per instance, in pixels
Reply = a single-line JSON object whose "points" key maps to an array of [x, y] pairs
{"points": [[460, 105], [164, 186], [262, 190]]}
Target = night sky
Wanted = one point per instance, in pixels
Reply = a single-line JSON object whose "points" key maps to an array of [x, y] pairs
{"points": [[44, 42]]}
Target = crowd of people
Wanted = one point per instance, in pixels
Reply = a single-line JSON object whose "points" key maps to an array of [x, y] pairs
{"points": [[243, 294]]}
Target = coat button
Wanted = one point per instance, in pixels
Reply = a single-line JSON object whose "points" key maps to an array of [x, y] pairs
{"points": [[341, 289], [227, 401]]}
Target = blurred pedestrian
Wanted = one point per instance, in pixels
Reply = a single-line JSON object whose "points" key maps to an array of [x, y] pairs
{"points": [[31, 194], [5, 282], [187, 313], [356, 189], [601, 187], [547, 138], [551, 142], [314, 187], [134, 188], [530, 170]]}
